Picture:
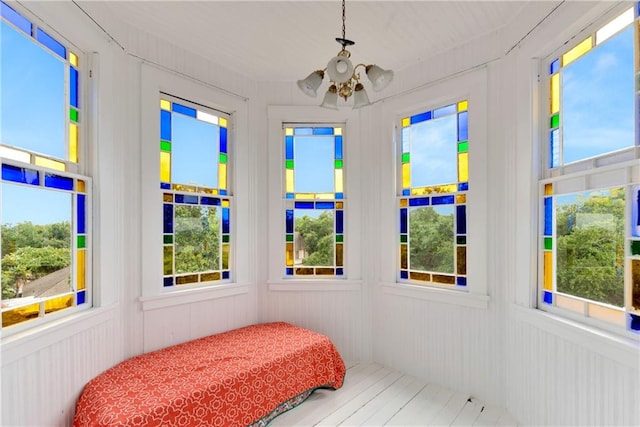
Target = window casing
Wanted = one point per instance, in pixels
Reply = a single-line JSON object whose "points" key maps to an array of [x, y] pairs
{"points": [[45, 189], [589, 240]]}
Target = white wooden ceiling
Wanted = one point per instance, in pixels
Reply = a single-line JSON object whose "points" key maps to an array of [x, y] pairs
{"points": [[286, 40]]}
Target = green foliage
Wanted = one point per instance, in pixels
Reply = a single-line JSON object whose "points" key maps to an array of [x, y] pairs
{"points": [[197, 239], [431, 238], [317, 235], [590, 247]]}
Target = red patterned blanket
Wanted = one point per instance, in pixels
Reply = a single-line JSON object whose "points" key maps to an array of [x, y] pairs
{"points": [[237, 378]]}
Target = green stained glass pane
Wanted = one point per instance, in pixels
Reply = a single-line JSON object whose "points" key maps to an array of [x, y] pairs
{"points": [[73, 114], [168, 239], [225, 238], [403, 238], [548, 243], [461, 240], [405, 157], [81, 242], [223, 158], [165, 146], [635, 247], [339, 238], [338, 164], [463, 146], [555, 121], [289, 164], [289, 237]]}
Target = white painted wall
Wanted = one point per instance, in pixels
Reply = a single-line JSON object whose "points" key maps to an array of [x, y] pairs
{"points": [[544, 371]]}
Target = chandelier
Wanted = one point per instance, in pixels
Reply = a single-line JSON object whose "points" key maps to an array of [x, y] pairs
{"points": [[344, 80]]}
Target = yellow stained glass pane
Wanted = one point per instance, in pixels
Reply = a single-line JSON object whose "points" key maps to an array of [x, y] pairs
{"points": [[554, 89], [222, 176], [404, 203], [73, 142], [81, 186], [569, 303], [225, 203], [608, 314], [339, 205], [165, 105], [59, 303], [81, 271], [339, 255], [185, 280], [185, 188], [210, 277], [337, 131], [443, 279], [304, 271], [325, 196], [225, 257], [339, 182], [463, 106], [305, 196], [289, 254], [406, 122], [419, 275], [288, 131], [207, 190], [404, 259], [406, 175], [461, 198], [439, 189], [463, 167], [48, 163], [548, 189], [548, 271], [73, 59], [167, 257], [461, 260], [222, 122], [167, 197], [20, 314], [635, 284], [288, 177], [325, 271], [577, 51], [165, 166]]}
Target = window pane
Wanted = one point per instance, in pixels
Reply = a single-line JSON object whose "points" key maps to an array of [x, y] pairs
{"points": [[431, 239], [197, 238], [314, 237], [195, 152], [590, 245], [434, 152], [314, 164]]}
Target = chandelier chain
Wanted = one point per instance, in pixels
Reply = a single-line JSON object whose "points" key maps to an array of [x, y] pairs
{"points": [[343, 20]]}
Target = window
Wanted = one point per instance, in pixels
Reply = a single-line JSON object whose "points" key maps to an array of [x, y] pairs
{"points": [[194, 159], [432, 196], [590, 194], [45, 192], [314, 198]]}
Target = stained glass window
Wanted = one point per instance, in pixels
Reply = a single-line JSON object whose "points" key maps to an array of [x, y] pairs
{"points": [[194, 159], [314, 201], [590, 197], [45, 196], [432, 202]]}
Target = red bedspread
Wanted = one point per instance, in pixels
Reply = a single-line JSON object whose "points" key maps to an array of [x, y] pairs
{"points": [[234, 378]]}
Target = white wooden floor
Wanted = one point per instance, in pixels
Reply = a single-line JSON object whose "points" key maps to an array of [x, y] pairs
{"points": [[375, 396]]}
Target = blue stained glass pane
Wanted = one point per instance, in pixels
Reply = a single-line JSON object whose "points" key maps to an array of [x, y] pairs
{"points": [[168, 281], [547, 297], [461, 219], [443, 200], [338, 147], [222, 192], [404, 274], [165, 125], [15, 18], [554, 67], [340, 196], [444, 111], [225, 220], [419, 201], [225, 274], [82, 216], [325, 205], [403, 220], [634, 322], [289, 221], [288, 144], [213, 201], [289, 196], [635, 227], [323, 131], [60, 182], [463, 126], [168, 218], [16, 174], [420, 117], [303, 131], [165, 186], [339, 271], [548, 216], [463, 186], [190, 199], [223, 140], [51, 43], [288, 271], [187, 111], [461, 281], [80, 297], [339, 222], [406, 192], [73, 87], [303, 205]]}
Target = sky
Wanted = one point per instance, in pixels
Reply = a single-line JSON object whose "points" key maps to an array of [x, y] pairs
{"points": [[434, 152], [195, 151]]}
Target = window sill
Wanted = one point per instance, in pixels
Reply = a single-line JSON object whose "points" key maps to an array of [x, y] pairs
{"points": [[188, 296], [297, 285], [623, 350], [446, 296], [21, 344]]}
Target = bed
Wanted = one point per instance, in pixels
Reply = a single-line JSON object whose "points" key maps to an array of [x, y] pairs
{"points": [[242, 377]]}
